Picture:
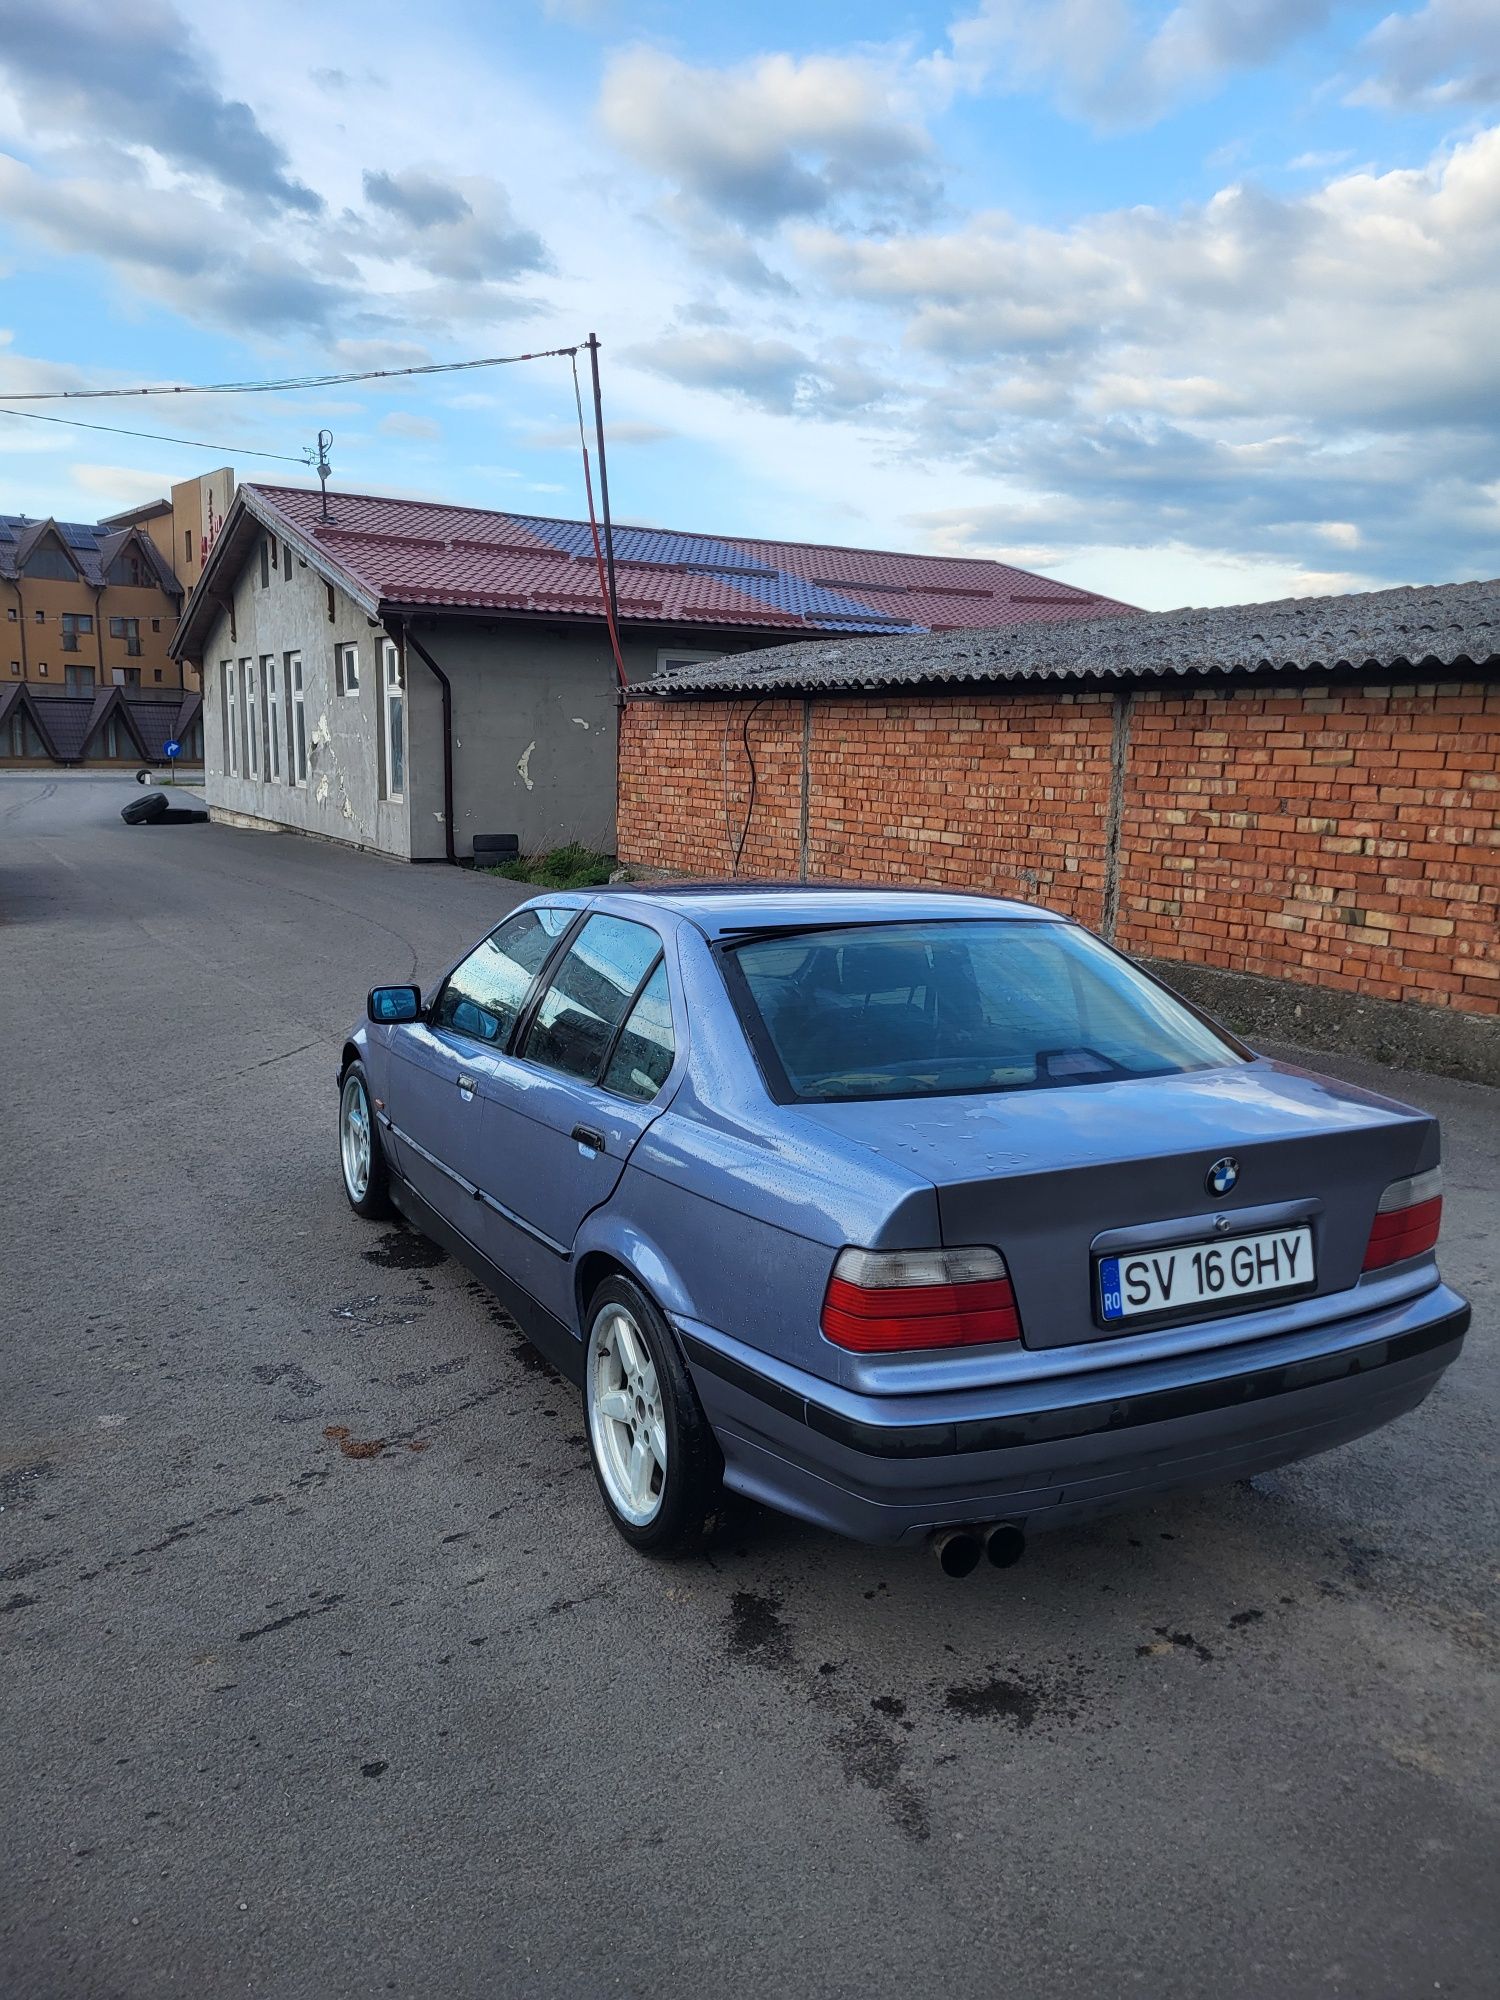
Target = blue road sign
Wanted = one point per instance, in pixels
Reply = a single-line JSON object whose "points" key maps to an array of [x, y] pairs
{"points": [[172, 749]]}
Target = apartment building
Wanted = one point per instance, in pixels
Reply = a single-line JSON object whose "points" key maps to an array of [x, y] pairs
{"points": [[86, 606]]}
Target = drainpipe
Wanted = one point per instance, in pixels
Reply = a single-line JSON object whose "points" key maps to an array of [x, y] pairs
{"points": [[15, 584], [98, 590], [443, 682]]}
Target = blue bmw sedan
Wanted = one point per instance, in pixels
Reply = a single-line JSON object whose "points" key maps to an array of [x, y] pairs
{"points": [[924, 1217]]}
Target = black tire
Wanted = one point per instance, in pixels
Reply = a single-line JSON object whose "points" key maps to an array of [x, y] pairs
{"points": [[374, 1202], [691, 1501], [141, 812]]}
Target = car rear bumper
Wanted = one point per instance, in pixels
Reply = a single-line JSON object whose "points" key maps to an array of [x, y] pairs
{"points": [[1055, 1450]]}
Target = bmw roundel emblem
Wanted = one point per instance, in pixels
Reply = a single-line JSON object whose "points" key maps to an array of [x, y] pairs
{"points": [[1222, 1175]]}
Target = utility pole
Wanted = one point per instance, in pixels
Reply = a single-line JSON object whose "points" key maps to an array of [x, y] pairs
{"points": [[592, 343]]}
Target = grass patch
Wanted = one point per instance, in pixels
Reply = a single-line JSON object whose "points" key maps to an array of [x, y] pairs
{"points": [[572, 867]]}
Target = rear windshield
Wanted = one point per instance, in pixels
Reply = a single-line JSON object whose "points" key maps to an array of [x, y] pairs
{"points": [[933, 1009]]}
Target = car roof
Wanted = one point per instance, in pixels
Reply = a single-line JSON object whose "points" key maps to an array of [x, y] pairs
{"points": [[724, 909]]}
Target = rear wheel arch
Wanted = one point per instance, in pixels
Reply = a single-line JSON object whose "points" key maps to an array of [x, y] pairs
{"points": [[594, 1267], [625, 1254]]}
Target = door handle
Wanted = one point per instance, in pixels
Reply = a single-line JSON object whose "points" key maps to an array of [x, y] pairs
{"points": [[587, 1136], [468, 1083]]}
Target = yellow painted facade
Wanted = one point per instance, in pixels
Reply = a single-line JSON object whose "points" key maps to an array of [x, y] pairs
{"points": [[62, 634]]}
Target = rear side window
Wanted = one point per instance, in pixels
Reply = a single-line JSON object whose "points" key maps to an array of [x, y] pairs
{"points": [[924, 1010], [484, 995], [643, 1055], [590, 994]]}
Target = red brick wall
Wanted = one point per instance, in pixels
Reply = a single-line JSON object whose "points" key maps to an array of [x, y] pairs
{"points": [[1346, 837]]}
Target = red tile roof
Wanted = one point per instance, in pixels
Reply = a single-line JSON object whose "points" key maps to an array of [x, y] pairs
{"points": [[399, 553]]}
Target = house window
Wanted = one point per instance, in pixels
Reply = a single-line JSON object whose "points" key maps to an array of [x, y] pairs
{"points": [[155, 624], [24, 740], [10, 612], [393, 689], [15, 666], [114, 740], [156, 673], [683, 656], [296, 720], [74, 625], [252, 746], [41, 667], [41, 617], [346, 669], [129, 568], [187, 546], [49, 565], [231, 719], [128, 629], [126, 677], [80, 680], [265, 563], [270, 681]]}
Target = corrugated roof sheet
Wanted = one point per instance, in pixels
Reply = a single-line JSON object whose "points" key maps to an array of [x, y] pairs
{"points": [[402, 553], [1447, 624]]}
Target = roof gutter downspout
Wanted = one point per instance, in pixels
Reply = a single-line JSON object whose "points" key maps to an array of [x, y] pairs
{"points": [[443, 682], [15, 584]]}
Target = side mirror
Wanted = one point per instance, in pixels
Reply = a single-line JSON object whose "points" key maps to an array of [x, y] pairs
{"points": [[389, 1004]]}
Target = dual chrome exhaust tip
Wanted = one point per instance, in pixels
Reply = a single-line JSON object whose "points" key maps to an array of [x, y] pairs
{"points": [[959, 1551]]}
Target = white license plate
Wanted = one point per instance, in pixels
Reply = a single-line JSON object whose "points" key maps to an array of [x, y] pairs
{"points": [[1194, 1274]]}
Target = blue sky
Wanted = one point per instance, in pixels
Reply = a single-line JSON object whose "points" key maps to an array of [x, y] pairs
{"points": [[1189, 303]]}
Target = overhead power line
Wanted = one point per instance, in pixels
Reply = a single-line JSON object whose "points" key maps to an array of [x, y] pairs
{"points": [[158, 437], [289, 382]]}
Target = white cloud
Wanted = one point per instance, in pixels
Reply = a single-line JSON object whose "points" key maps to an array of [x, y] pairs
{"points": [[1444, 54], [461, 228], [130, 69], [1351, 394], [776, 137], [1115, 63], [408, 424], [119, 486]]}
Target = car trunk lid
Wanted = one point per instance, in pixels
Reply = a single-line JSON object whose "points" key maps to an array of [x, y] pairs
{"points": [[1043, 1174]]}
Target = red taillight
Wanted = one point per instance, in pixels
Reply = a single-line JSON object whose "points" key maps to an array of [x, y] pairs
{"points": [[1408, 1220], [887, 1301]]}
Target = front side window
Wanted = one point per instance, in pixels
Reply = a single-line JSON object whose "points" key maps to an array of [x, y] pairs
{"points": [[936, 1009], [483, 996], [594, 989]]}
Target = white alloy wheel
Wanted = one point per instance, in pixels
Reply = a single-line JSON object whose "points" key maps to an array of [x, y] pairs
{"points": [[626, 1421], [355, 1138]]}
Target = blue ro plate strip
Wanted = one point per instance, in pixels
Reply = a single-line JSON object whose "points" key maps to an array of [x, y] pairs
{"points": [[1111, 1300]]}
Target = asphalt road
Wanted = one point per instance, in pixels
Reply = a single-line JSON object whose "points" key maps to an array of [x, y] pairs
{"points": [[277, 1720]]}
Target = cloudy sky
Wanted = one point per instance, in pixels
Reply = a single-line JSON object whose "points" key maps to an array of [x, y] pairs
{"points": [[1191, 303]]}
